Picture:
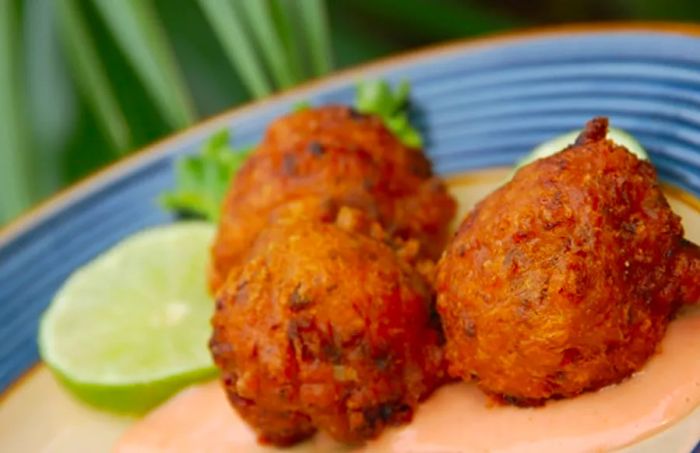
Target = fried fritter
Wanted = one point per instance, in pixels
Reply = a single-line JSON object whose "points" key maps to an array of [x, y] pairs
{"points": [[564, 279], [325, 327], [331, 157]]}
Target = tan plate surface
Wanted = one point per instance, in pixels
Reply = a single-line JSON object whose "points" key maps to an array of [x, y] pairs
{"points": [[37, 415]]}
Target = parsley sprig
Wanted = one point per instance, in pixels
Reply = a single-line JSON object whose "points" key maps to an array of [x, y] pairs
{"points": [[201, 180]]}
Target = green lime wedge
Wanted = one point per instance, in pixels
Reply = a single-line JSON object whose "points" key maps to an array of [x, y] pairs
{"points": [[560, 142], [131, 328]]}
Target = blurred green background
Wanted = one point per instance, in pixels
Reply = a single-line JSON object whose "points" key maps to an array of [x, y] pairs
{"points": [[85, 82]]}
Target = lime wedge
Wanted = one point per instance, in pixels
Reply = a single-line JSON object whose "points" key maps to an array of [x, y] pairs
{"points": [[560, 142], [131, 328]]}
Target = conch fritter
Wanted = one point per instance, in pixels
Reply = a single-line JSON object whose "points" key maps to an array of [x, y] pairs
{"points": [[564, 279], [326, 327], [326, 158]]}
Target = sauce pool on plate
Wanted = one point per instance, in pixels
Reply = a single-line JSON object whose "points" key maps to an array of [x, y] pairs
{"points": [[459, 418]]}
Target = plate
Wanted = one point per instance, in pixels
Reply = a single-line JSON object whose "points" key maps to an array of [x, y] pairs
{"points": [[481, 103]]}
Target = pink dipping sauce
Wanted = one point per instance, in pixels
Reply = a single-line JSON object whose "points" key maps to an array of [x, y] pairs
{"points": [[459, 418]]}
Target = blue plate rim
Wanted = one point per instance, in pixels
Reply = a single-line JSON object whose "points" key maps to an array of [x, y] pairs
{"points": [[149, 153]]}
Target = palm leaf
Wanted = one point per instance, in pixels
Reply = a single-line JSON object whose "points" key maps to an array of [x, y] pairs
{"points": [[14, 171], [90, 74], [262, 25], [228, 26], [136, 29], [314, 22], [445, 20], [284, 17], [53, 122]]}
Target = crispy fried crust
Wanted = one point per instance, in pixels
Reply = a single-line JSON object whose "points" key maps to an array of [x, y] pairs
{"points": [[564, 279], [325, 327], [326, 158]]}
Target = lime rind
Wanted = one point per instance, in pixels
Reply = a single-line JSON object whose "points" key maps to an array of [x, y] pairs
{"points": [[133, 398], [130, 328]]}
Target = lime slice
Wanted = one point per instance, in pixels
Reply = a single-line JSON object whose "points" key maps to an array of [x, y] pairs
{"points": [[131, 328], [560, 142]]}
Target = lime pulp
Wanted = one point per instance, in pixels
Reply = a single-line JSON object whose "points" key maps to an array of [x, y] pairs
{"points": [[561, 142], [130, 328]]}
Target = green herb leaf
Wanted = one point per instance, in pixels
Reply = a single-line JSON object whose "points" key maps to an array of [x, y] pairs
{"points": [[376, 97], [202, 180], [301, 105]]}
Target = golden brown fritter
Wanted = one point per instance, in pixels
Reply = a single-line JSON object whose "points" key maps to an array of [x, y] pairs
{"points": [[330, 157], [324, 327], [564, 279]]}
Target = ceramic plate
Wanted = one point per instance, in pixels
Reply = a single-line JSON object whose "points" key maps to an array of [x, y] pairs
{"points": [[481, 104]]}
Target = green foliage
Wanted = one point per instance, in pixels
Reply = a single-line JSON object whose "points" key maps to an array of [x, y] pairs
{"points": [[90, 75], [137, 30], [202, 180], [259, 15], [123, 60], [227, 23], [376, 97], [46, 77], [315, 25], [437, 19], [84, 81], [14, 168], [283, 13]]}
